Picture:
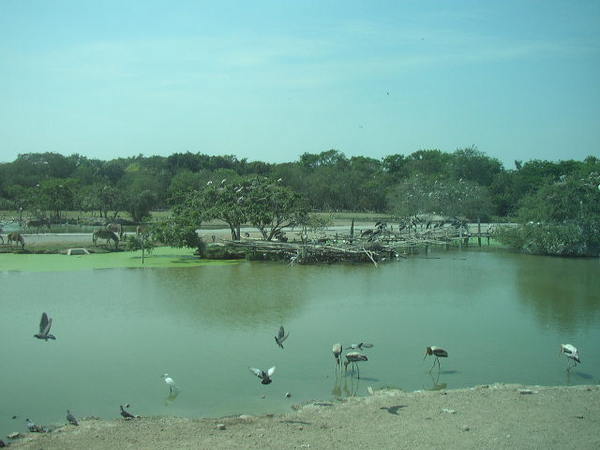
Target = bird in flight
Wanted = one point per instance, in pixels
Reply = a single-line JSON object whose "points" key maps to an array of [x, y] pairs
{"points": [[45, 324], [264, 376], [281, 336]]}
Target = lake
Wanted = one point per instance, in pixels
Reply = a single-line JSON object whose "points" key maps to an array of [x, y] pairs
{"points": [[500, 315]]}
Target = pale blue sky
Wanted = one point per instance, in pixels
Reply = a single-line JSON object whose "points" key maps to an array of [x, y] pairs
{"points": [[270, 80]]}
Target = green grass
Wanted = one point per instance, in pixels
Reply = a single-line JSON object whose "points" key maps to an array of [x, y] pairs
{"points": [[161, 257]]}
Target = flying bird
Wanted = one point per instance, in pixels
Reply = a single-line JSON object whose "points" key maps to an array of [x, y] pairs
{"points": [[437, 352], [264, 376], [570, 352], [45, 324], [72, 419], [361, 346], [170, 382], [281, 336]]}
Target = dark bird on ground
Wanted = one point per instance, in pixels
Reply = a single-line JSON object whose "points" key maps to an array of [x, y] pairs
{"points": [[353, 358], [45, 324], [281, 336], [72, 419], [393, 409], [32, 427], [572, 353], [337, 351], [264, 376], [126, 414], [437, 352]]}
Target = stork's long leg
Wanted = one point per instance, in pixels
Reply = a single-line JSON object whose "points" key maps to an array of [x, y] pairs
{"points": [[358, 371]]}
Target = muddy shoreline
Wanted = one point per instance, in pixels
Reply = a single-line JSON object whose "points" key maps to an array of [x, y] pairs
{"points": [[490, 416]]}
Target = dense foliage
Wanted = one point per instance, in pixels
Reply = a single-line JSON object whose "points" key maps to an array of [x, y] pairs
{"points": [[465, 182]]}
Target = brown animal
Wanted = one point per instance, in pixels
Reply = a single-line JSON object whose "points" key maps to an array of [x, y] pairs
{"points": [[38, 223], [16, 237], [105, 234]]}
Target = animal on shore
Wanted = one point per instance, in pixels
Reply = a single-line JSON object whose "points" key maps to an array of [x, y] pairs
{"points": [[337, 351], [105, 234], [45, 324], [72, 419], [353, 358], [38, 223], [116, 228], [126, 414], [170, 382], [438, 352], [16, 237], [33, 428], [265, 377], [571, 353], [281, 336]]}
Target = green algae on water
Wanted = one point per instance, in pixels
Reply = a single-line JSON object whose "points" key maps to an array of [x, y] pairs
{"points": [[160, 257]]}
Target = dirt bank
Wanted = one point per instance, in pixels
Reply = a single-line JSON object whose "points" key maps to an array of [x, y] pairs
{"points": [[496, 416]]}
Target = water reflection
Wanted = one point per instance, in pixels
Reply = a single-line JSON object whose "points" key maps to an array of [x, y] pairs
{"points": [[172, 397]]}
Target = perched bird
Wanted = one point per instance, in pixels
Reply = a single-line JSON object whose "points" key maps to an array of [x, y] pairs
{"points": [[72, 419], [45, 324], [361, 346], [353, 358], [570, 352], [169, 381], [264, 376], [437, 352], [337, 351], [126, 414], [281, 336]]}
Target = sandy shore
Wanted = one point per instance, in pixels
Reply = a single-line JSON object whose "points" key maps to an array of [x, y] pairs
{"points": [[496, 416]]}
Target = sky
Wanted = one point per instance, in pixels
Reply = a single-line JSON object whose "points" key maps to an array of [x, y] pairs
{"points": [[268, 80]]}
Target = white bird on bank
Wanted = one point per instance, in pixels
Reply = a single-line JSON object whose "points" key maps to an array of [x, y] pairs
{"points": [[170, 382], [570, 352]]}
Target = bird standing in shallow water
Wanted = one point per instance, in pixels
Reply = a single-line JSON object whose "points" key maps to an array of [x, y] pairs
{"points": [[45, 324], [72, 419], [570, 352], [281, 336], [438, 352], [337, 351], [170, 382], [264, 376], [353, 358]]}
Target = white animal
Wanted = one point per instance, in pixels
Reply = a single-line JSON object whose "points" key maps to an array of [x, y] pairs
{"points": [[170, 382], [570, 352]]}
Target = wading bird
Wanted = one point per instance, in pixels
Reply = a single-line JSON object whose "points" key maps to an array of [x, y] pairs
{"points": [[353, 358], [337, 351], [72, 419], [437, 352], [264, 376], [45, 324], [570, 352], [281, 336], [169, 381], [126, 414]]}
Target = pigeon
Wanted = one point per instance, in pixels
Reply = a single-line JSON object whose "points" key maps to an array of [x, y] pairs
{"points": [[264, 376], [126, 414], [361, 346], [72, 419], [32, 427], [281, 336], [45, 324]]}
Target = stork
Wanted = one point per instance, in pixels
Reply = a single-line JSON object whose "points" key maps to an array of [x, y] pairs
{"points": [[169, 381], [438, 352], [353, 358], [570, 352], [337, 351]]}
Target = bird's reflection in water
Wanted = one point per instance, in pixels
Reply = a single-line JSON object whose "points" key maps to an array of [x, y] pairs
{"points": [[572, 376], [345, 387], [171, 397], [436, 385]]}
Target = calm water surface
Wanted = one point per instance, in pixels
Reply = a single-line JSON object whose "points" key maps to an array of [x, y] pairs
{"points": [[501, 316]]}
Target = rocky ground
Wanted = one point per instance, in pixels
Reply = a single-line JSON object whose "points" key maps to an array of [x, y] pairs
{"points": [[496, 416]]}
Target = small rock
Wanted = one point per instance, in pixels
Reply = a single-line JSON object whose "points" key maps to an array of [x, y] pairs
{"points": [[579, 417], [370, 390], [465, 428], [245, 417], [527, 392], [263, 396], [221, 426], [301, 428], [14, 435], [449, 411]]}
